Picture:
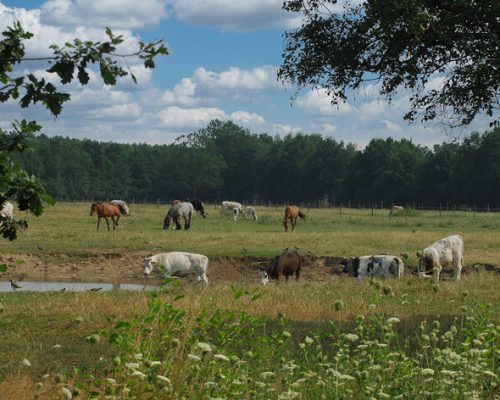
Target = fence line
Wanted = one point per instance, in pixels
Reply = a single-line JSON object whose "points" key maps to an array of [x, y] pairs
{"points": [[379, 205]]}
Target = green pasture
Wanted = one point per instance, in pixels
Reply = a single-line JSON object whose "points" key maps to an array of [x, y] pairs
{"points": [[68, 228], [317, 338]]}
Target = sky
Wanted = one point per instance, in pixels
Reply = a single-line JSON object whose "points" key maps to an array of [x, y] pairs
{"points": [[224, 55]]}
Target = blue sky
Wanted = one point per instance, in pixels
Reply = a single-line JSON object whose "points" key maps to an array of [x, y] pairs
{"points": [[223, 62]]}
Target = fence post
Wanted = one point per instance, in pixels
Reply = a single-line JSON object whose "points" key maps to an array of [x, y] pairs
{"points": [[440, 209]]}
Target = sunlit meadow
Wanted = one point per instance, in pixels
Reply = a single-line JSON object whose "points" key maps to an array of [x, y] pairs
{"points": [[408, 339]]}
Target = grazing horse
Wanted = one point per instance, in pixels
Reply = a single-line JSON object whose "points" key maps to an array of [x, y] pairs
{"points": [[198, 206], [105, 210], [183, 210], [292, 213]]}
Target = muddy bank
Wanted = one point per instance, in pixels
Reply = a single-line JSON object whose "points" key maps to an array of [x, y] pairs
{"points": [[125, 267]]}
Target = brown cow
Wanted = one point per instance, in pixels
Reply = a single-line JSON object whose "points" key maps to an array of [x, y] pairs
{"points": [[286, 264]]}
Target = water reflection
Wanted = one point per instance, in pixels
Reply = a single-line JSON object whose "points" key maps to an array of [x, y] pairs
{"points": [[72, 286]]}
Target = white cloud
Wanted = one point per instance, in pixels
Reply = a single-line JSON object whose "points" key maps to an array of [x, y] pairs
{"points": [[205, 87], [124, 14], [130, 110], [234, 15], [176, 117], [372, 108], [246, 118], [391, 126], [317, 102], [283, 130]]}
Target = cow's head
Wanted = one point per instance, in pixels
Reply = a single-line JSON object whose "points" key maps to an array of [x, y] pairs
{"points": [[148, 265], [264, 277]]}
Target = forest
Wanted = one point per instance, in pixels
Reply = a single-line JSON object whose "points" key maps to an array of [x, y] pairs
{"points": [[225, 161]]}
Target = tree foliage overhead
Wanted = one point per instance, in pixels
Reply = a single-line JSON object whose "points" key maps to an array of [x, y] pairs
{"points": [[401, 44], [67, 63]]}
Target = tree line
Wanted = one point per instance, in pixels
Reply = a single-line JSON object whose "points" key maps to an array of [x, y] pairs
{"points": [[225, 161]]}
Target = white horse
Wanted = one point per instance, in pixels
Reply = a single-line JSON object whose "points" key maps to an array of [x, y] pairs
{"points": [[234, 206], [182, 210], [123, 206], [178, 262]]}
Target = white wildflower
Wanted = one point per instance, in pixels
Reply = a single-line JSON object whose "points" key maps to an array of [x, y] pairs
{"points": [[298, 382], [133, 365], [139, 374], [111, 381], [351, 337], [489, 373], [309, 340], [221, 357], [66, 393], [210, 385], [163, 379], [372, 306], [289, 395], [26, 362], [267, 375], [155, 363], [204, 347], [287, 334], [260, 384], [193, 357], [138, 356], [56, 346], [427, 371], [393, 320]]}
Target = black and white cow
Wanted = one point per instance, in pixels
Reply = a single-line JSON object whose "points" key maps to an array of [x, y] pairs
{"points": [[384, 266], [448, 251]]}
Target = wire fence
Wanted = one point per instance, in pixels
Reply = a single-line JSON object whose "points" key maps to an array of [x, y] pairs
{"points": [[343, 205]]}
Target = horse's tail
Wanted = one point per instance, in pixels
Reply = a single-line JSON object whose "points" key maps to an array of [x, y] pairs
{"points": [[302, 215], [122, 206]]}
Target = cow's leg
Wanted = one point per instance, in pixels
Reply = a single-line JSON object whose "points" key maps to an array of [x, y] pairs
{"points": [[297, 274], [458, 266], [436, 271]]}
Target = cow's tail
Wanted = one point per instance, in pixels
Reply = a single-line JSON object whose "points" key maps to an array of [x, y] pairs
{"points": [[302, 215]]}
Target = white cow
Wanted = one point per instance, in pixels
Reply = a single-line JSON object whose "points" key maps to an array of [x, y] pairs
{"points": [[234, 206], [445, 252], [177, 262], [395, 209], [384, 266], [7, 211], [251, 213]]}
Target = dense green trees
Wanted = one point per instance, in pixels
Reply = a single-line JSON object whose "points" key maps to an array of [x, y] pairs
{"points": [[225, 161]]}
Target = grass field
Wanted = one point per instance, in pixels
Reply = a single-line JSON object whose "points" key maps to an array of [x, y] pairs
{"points": [[304, 340], [68, 228]]}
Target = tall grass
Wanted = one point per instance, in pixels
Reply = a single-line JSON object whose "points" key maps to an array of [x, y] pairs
{"points": [[259, 329]]}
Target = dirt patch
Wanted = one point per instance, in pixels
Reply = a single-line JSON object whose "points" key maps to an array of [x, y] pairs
{"points": [[125, 267]]}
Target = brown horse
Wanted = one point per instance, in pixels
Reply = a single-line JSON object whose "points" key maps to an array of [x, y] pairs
{"points": [[105, 210], [292, 213]]}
